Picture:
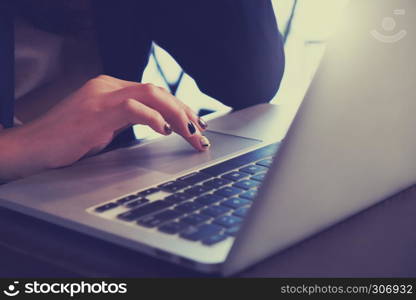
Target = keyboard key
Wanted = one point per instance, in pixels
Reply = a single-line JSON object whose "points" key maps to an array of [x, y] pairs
{"points": [[173, 227], [209, 199], [228, 221], [193, 178], [232, 231], [178, 198], [143, 210], [253, 169], [148, 192], [228, 191], [106, 207], [236, 202], [235, 176], [126, 199], [217, 182], [225, 166], [195, 219], [265, 162], [242, 211], [246, 184], [258, 177], [158, 219], [214, 239], [172, 186], [250, 195], [137, 202], [241, 160], [188, 207], [204, 231], [197, 190], [215, 210]]}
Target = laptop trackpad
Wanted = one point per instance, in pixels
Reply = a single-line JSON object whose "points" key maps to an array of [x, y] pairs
{"points": [[173, 154]]}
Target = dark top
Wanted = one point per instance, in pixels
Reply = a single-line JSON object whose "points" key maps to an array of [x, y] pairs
{"points": [[232, 49]]}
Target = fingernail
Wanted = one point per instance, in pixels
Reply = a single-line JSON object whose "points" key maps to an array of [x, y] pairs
{"points": [[191, 128], [202, 123], [168, 129], [205, 142]]}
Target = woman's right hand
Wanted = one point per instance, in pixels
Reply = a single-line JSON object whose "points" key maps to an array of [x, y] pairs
{"points": [[87, 121]]}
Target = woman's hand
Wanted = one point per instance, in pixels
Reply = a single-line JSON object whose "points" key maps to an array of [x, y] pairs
{"points": [[86, 122]]}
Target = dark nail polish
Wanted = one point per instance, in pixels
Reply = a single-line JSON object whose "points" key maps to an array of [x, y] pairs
{"points": [[191, 128], [202, 123], [168, 129], [205, 142]]}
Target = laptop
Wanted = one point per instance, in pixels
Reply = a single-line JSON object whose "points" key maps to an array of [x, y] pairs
{"points": [[257, 191]]}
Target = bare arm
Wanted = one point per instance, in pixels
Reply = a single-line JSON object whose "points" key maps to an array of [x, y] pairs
{"points": [[86, 122]]}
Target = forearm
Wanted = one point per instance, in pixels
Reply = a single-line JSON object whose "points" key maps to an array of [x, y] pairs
{"points": [[85, 122], [17, 158]]}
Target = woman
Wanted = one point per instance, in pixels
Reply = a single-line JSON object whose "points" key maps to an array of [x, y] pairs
{"points": [[91, 55]]}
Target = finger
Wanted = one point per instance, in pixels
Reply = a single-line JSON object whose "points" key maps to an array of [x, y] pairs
{"points": [[138, 113], [152, 90], [200, 142], [162, 102], [202, 125], [170, 108], [160, 99], [178, 118], [197, 140]]}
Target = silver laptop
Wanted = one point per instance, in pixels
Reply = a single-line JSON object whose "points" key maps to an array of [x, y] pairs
{"points": [[352, 144]]}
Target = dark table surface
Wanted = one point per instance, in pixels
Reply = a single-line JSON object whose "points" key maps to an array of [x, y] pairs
{"points": [[379, 242]]}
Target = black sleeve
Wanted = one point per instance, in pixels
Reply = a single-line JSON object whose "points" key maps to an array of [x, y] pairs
{"points": [[6, 65], [232, 48]]}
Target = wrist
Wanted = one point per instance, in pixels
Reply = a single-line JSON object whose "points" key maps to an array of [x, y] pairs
{"points": [[20, 154]]}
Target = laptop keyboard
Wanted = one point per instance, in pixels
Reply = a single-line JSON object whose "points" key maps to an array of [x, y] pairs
{"points": [[206, 206]]}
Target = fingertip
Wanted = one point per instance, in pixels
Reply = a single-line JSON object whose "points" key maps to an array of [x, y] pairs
{"points": [[167, 129], [161, 127], [202, 123], [205, 143], [191, 128], [200, 143]]}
